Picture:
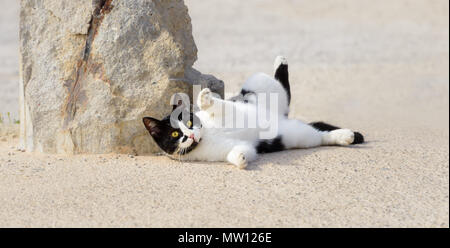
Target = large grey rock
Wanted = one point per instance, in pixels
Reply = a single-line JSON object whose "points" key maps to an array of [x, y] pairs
{"points": [[91, 69]]}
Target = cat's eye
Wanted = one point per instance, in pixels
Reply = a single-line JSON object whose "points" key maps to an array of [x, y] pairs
{"points": [[175, 134], [189, 124]]}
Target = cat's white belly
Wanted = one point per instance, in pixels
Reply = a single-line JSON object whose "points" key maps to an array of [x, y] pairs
{"points": [[217, 143]]}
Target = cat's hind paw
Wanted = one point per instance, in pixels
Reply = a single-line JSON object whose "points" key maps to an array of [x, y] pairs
{"points": [[205, 99], [279, 60], [343, 137]]}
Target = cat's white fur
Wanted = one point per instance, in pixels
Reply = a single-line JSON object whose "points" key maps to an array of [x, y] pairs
{"points": [[238, 145]]}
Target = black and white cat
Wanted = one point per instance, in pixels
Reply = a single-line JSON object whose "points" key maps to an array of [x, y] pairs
{"points": [[211, 135]]}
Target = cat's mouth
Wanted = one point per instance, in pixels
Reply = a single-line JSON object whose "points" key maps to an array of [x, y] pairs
{"points": [[191, 138], [188, 141], [194, 138]]}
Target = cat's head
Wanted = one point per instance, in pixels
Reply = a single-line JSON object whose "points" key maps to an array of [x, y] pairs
{"points": [[176, 134]]}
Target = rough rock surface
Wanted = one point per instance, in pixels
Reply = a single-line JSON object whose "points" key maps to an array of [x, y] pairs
{"points": [[91, 69]]}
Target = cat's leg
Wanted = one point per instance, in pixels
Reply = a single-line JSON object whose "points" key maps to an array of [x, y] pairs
{"points": [[282, 75], [217, 108], [260, 87], [296, 134], [241, 155], [341, 137], [321, 126], [206, 101]]}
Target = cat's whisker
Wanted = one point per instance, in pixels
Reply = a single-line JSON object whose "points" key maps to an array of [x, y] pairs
{"points": [[180, 150], [183, 151]]}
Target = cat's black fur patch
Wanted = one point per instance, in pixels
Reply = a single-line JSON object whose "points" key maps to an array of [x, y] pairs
{"points": [[242, 96], [245, 92], [359, 138], [269, 146], [322, 126], [282, 75], [161, 131]]}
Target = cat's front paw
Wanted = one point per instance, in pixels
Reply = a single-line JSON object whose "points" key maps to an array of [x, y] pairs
{"points": [[343, 137], [242, 161], [205, 99], [238, 159]]}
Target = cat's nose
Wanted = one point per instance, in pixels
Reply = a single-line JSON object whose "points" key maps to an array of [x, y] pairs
{"points": [[192, 136]]}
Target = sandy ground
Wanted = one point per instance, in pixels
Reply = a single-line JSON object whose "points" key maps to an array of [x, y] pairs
{"points": [[380, 67]]}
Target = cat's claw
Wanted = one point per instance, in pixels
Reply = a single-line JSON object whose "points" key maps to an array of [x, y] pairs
{"points": [[205, 99]]}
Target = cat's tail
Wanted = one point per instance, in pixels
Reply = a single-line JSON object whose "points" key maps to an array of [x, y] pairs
{"points": [[282, 74], [324, 127]]}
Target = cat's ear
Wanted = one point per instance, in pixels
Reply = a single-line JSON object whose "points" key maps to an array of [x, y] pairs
{"points": [[152, 125]]}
